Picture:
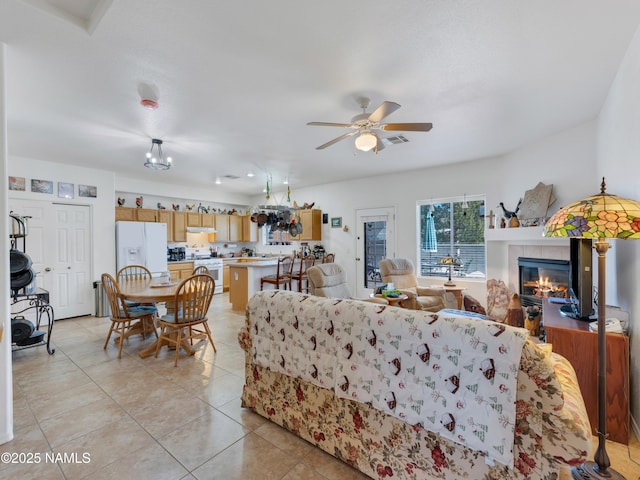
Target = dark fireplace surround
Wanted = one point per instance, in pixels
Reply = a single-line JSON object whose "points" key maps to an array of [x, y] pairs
{"points": [[542, 278]]}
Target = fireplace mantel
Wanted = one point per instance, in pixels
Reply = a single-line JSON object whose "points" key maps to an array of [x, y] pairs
{"points": [[520, 234]]}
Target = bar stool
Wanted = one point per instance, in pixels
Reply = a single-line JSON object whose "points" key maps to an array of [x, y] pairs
{"points": [[301, 274], [282, 275]]}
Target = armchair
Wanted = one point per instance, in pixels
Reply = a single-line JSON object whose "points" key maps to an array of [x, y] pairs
{"points": [[330, 280], [400, 272]]}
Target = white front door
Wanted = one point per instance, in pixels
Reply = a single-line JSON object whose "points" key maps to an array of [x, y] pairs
{"points": [[375, 241], [59, 244]]}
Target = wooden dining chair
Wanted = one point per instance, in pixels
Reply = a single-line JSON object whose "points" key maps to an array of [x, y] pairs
{"points": [[282, 275], [329, 258], [189, 320], [133, 273], [300, 273], [121, 314], [201, 269]]}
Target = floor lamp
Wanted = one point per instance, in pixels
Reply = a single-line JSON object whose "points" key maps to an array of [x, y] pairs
{"points": [[600, 217]]}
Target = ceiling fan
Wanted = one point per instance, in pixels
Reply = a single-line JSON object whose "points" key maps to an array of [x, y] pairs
{"points": [[364, 125]]}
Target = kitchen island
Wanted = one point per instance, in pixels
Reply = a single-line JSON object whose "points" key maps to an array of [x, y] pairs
{"points": [[244, 280]]}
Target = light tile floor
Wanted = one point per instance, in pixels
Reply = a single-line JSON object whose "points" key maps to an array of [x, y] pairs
{"points": [[105, 418]]}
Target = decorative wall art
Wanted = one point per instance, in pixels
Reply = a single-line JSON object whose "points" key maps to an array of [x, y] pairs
{"points": [[336, 222], [65, 190], [42, 186], [90, 191], [16, 183]]}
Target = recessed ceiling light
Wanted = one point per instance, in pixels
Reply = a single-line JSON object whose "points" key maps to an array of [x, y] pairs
{"points": [[250, 174], [286, 180], [218, 181]]}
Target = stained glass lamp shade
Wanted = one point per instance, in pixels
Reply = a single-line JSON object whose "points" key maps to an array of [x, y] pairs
{"points": [[599, 217], [450, 262]]}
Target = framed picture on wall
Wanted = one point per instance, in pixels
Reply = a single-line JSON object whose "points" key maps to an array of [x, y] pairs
{"points": [[42, 186], [336, 222], [87, 191], [16, 183], [65, 190]]}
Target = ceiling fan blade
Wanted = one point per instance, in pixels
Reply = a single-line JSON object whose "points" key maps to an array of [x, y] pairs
{"points": [[336, 140], [407, 127], [330, 124], [386, 108], [379, 146]]}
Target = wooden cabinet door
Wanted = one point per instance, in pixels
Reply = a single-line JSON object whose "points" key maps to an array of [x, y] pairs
{"points": [[179, 226], [166, 216], [193, 219], [207, 220], [311, 221], [249, 230], [222, 228], [235, 228], [225, 278], [125, 214], [146, 215]]}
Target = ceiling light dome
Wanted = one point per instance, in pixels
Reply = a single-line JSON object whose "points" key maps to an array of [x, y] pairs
{"points": [[366, 141]]}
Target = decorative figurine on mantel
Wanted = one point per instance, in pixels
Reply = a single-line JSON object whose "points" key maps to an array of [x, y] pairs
{"points": [[492, 218], [512, 216]]}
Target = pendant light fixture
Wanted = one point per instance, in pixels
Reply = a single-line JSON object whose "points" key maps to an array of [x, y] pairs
{"points": [[155, 158]]}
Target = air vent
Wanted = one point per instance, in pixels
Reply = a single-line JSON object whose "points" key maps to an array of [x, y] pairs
{"points": [[231, 177], [394, 140]]}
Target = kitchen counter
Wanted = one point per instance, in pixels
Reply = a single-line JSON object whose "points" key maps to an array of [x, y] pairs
{"points": [[244, 279]]}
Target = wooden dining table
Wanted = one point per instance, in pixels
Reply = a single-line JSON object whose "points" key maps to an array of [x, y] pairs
{"points": [[153, 291]]}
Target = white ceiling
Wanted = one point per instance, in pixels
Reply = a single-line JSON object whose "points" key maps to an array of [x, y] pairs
{"points": [[237, 81]]}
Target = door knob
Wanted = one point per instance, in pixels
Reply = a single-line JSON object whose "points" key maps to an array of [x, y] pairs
{"points": [[357, 259], [48, 269]]}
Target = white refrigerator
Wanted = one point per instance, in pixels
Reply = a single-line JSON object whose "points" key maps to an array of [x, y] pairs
{"points": [[142, 243]]}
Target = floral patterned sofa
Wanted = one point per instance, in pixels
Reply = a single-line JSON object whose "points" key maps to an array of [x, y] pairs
{"points": [[369, 384]]}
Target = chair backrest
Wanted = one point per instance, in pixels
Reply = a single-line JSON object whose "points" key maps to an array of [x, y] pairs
{"points": [[133, 272], [328, 280], [193, 298], [305, 263], [118, 308], [329, 258], [201, 269], [285, 266], [399, 271]]}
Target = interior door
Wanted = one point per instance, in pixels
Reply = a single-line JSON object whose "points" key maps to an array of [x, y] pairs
{"points": [[59, 244], [375, 241]]}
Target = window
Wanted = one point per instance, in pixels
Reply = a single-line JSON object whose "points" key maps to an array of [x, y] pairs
{"points": [[451, 238]]}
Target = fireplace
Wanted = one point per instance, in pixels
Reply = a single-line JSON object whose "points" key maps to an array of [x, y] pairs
{"points": [[541, 278]]}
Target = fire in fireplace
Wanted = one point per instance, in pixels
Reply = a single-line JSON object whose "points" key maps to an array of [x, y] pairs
{"points": [[541, 278]]}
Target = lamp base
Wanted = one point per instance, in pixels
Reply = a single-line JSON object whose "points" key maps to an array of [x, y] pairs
{"points": [[589, 470], [450, 283]]}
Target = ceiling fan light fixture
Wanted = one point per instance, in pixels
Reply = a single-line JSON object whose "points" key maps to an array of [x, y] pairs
{"points": [[155, 158], [366, 141]]}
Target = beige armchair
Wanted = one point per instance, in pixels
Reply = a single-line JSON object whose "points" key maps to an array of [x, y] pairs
{"points": [[330, 280], [400, 272]]}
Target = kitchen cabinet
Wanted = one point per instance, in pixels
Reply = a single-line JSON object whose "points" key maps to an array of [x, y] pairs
{"points": [[180, 270], [207, 220], [225, 278], [193, 219], [166, 216], [311, 221], [222, 229], [235, 228], [125, 214], [179, 226], [249, 230], [146, 215]]}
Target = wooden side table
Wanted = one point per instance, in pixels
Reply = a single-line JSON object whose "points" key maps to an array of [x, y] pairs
{"points": [[456, 290], [572, 339], [395, 301]]}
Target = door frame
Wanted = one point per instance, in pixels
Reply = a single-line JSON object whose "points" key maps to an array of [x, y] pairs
{"points": [[361, 216]]}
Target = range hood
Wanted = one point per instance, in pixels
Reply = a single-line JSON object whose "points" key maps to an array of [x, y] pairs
{"points": [[201, 230]]}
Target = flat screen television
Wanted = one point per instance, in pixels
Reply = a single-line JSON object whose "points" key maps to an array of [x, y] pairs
{"points": [[581, 290]]}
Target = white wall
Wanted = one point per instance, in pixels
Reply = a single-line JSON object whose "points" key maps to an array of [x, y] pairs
{"points": [[102, 207], [566, 160], [618, 155], [6, 383]]}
